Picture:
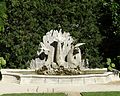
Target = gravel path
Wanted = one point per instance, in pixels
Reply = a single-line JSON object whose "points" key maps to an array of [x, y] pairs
{"points": [[73, 93], [44, 88], [114, 83]]}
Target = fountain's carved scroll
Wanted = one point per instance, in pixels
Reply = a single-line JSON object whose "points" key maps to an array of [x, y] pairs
{"points": [[58, 54]]}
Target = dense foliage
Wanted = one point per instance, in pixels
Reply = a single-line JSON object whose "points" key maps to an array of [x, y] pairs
{"points": [[109, 25], [91, 21], [2, 14]]}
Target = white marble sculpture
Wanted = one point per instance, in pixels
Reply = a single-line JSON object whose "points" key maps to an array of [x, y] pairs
{"points": [[56, 50]]}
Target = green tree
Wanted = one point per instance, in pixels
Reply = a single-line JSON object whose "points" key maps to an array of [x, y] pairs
{"points": [[109, 25]]}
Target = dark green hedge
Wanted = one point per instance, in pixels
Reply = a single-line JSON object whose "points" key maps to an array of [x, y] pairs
{"points": [[28, 20], [2, 14]]}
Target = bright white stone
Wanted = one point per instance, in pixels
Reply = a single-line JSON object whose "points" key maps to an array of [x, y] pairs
{"points": [[57, 50]]}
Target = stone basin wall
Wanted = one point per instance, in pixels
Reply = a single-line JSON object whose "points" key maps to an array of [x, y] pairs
{"points": [[23, 76]]}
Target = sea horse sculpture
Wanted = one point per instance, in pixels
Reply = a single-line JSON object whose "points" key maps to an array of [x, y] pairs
{"points": [[75, 58], [59, 54], [59, 51]]}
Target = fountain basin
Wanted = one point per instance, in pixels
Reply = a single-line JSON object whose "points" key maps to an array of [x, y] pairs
{"points": [[28, 76]]}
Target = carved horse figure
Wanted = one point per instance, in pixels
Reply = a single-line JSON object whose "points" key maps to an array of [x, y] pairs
{"points": [[74, 58]]}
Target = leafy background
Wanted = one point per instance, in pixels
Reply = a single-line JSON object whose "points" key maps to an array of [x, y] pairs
{"points": [[24, 22]]}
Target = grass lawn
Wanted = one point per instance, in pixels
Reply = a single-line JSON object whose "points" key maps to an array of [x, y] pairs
{"points": [[35, 94], [101, 93]]}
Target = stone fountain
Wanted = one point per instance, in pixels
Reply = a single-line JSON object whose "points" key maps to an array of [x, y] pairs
{"points": [[58, 61], [58, 55]]}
